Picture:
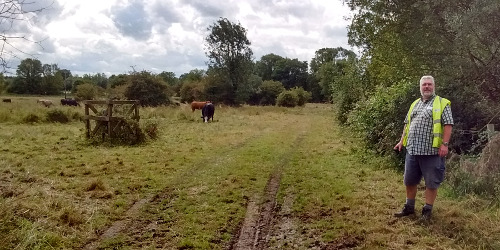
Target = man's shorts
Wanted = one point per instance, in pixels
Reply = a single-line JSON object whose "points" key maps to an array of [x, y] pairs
{"points": [[431, 167]]}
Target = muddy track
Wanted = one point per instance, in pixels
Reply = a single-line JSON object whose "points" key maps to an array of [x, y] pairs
{"points": [[132, 223], [255, 229]]}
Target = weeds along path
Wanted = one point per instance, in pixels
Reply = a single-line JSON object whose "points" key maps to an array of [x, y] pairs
{"points": [[203, 205]]}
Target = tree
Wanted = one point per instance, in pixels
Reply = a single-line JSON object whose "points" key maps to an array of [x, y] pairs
{"points": [[267, 65], [3, 84], [11, 13], [52, 81], [229, 55], [29, 77]]}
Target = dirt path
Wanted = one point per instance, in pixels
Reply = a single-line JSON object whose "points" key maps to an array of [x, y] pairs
{"points": [[256, 228]]}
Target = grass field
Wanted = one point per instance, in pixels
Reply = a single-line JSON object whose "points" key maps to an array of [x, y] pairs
{"points": [[257, 177]]}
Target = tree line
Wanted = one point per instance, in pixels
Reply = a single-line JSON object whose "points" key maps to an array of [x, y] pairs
{"points": [[232, 76]]}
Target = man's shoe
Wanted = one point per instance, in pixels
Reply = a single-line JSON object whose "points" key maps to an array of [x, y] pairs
{"points": [[407, 210], [426, 215]]}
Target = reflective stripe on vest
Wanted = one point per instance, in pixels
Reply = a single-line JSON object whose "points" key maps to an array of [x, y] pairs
{"points": [[437, 129]]}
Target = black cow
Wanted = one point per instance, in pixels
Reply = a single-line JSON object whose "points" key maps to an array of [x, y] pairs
{"points": [[69, 102], [6, 100], [207, 112]]}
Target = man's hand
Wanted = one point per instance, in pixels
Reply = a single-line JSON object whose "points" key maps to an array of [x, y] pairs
{"points": [[398, 146], [443, 150]]}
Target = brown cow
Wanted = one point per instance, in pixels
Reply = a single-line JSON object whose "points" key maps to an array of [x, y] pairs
{"points": [[6, 100], [45, 102], [198, 105]]}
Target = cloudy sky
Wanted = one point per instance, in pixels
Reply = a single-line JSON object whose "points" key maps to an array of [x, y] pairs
{"points": [[116, 36]]}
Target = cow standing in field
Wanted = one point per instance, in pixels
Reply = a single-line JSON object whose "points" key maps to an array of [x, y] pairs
{"points": [[208, 111], [6, 100], [45, 102], [198, 105], [69, 102]]}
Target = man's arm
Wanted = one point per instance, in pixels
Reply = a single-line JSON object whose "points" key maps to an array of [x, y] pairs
{"points": [[443, 149], [400, 143]]}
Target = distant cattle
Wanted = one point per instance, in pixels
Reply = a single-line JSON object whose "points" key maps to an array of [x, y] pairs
{"points": [[198, 105], [69, 102], [207, 111], [6, 100], [45, 102]]}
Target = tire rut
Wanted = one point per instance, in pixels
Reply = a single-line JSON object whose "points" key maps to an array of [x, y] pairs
{"points": [[132, 222], [255, 229]]}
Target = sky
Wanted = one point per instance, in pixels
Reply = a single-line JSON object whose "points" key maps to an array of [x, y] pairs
{"points": [[119, 36]]}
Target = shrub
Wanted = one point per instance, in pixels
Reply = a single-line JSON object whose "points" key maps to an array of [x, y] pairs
{"points": [[269, 91], [287, 98], [303, 96], [149, 89], [87, 91], [31, 118], [191, 91], [57, 115], [380, 119]]}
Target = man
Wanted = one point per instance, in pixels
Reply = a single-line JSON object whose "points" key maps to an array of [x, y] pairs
{"points": [[426, 136]]}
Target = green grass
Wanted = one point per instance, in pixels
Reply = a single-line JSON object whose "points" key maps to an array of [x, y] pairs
{"points": [[195, 180]]}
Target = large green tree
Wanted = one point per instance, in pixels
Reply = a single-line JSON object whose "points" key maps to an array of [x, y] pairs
{"points": [[29, 77], [52, 82], [230, 57]]}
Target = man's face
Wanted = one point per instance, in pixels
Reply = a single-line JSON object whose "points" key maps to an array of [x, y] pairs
{"points": [[427, 89]]}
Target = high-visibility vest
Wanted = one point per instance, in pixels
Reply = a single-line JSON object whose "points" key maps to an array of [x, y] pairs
{"points": [[437, 110]]}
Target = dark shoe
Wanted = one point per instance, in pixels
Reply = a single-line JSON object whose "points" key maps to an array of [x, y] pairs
{"points": [[426, 215], [407, 210]]}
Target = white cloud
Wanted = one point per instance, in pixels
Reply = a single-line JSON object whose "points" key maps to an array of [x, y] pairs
{"points": [[96, 36]]}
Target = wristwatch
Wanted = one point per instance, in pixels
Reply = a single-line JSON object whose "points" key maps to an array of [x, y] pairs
{"points": [[445, 143]]}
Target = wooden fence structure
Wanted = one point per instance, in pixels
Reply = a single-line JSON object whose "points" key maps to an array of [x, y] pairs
{"points": [[105, 117]]}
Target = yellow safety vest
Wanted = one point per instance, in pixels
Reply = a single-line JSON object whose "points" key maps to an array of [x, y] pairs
{"points": [[437, 110]]}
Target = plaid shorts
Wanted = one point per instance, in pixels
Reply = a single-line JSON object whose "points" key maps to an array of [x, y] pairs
{"points": [[431, 167]]}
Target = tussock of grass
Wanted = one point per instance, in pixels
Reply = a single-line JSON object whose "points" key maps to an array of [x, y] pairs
{"points": [[96, 185], [71, 217]]}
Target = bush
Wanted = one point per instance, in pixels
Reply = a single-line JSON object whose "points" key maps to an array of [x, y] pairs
{"points": [[31, 118], [87, 91], [303, 95], [380, 119], [191, 91], [287, 98], [149, 89], [269, 91], [57, 115]]}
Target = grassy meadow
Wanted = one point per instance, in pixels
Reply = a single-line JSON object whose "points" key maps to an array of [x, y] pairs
{"points": [[191, 187]]}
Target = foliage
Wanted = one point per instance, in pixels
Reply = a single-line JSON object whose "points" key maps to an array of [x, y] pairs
{"points": [[191, 91], [87, 91], [118, 80], [230, 56], [56, 115], [380, 118], [269, 91], [287, 98], [31, 118], [302, 95], [455, 41], [3, 84], [149, 89], [29, 77], [290, 72]]}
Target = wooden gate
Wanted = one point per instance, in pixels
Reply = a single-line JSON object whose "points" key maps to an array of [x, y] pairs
{"points": [[105, 116]]}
